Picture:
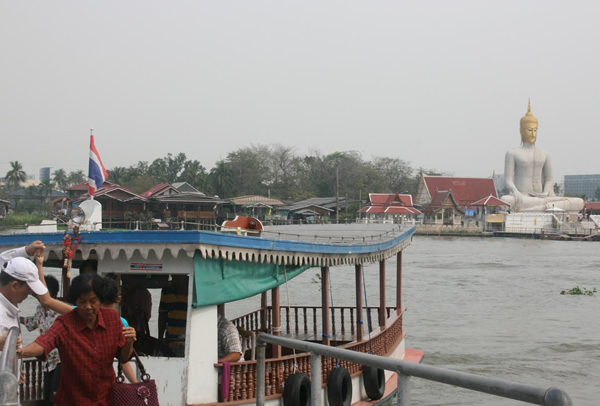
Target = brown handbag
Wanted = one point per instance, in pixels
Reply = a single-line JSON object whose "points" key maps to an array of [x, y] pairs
{"points": [[142, 393]]}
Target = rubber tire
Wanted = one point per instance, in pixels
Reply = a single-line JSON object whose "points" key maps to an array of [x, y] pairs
{"points": [[339, 387], [296, 391], [374, 382]]}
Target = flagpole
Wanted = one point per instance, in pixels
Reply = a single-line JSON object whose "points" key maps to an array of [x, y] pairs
{"points": [[91, 135]]}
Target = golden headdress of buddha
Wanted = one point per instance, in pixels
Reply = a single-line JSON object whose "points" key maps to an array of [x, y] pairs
{"points": [[528, 117]]}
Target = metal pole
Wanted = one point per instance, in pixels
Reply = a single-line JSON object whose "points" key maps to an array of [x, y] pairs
{"points": [[315, 380], [494, 386], [403, 390], [261, 349], [325, 305]]}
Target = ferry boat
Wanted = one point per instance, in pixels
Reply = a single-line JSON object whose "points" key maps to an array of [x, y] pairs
{"points": [[226, 267]]}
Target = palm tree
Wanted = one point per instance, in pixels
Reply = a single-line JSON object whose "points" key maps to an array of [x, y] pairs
{"points": [[222, 178], [15, 176], [76, 177], [60, 179]]}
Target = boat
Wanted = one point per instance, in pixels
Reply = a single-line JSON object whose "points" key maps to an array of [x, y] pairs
{"points": [[226, 267]]}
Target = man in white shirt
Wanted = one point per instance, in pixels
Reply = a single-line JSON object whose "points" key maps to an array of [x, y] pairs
{"points": [[19, 277]]}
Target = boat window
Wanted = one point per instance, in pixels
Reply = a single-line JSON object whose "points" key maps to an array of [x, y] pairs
{"points": [[156, 306]]}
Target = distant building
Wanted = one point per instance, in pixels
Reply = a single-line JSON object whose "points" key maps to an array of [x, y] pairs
{"points": [[388, 208], [44, 174], [582, 185], [465, 191]]}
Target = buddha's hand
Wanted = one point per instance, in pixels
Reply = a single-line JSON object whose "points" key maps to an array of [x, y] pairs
{"points": [[540, 195], [518, 197]]}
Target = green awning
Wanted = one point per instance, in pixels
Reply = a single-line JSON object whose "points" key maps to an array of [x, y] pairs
{"points": [[220, 281]]}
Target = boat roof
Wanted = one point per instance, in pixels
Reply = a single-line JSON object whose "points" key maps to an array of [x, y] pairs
{"points": [[312, 245]]}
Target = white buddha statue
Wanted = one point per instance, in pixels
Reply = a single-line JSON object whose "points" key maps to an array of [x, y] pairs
{"points": [[528, 175]]}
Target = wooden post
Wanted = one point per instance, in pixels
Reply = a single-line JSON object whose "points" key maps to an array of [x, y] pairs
{"points": [[399, 283], [325, 305], [263, 311], [382, 310], [358, 270], [276, 322]]}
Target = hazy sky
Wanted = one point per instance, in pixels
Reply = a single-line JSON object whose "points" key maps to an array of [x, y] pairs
{"points": [[441, 84]]}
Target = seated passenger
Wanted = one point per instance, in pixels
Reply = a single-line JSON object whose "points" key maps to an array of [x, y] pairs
{"points": [[172, 313], [230, 344]]}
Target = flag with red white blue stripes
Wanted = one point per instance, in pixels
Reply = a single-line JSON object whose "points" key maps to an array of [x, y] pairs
{"points": [[97, 174]]}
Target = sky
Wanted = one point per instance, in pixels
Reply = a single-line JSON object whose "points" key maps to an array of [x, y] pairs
{"points": [[440, 84]]}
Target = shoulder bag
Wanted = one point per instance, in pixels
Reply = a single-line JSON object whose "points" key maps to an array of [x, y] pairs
{"points": [[142, 393]]}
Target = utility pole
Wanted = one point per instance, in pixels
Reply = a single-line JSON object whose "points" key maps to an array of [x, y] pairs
{"points": [[337, 194]]}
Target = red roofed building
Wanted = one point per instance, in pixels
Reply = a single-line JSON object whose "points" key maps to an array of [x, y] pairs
{"points": [[443, 209], [465, 191], [388, 208]]}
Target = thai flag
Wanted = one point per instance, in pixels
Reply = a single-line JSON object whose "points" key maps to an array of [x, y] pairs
{"points": [[97, 174]]}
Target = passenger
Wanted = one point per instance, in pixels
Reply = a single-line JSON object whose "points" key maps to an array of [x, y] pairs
{"points": [[172, 316], [87, 266], [110, 301], [136, 305], [87, 339], [230, 344], [42, 320], [18, 279]]}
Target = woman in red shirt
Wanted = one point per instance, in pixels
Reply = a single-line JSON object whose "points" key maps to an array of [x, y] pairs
{"points": [[88, 340]]}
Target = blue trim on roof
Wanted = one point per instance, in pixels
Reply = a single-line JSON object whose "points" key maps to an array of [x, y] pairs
{"points": [[207, 237]]}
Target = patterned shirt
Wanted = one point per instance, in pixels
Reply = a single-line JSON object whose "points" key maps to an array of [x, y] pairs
{"points": [[228, 339], [87, 356], [175, 306], [42, 320]]}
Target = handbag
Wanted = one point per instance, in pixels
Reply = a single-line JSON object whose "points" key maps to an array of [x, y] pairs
{"points": [[142, 393]]}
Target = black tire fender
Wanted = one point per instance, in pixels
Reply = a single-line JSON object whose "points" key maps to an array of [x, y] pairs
{"points": [[296, 391], [339, 387], [374, 382]]}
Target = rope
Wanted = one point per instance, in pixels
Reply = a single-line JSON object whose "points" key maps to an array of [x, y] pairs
{"points": [[287, 294]]}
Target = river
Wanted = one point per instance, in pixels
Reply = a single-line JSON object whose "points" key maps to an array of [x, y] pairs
{"points": [[489, 306]]}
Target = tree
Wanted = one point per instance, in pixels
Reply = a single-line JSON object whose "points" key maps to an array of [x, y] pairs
{"points": [[60, 179], [194, 174], [76, 177], [597, 194], [117, 175], [221, 179], [558, 191], [15, 175]]}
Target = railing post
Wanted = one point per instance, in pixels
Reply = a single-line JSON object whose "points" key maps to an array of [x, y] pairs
{"points": [[315, 380], [261, 349], [403, 390]]}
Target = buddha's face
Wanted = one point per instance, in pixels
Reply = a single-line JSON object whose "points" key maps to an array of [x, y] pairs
{"points": [[529, 133]]}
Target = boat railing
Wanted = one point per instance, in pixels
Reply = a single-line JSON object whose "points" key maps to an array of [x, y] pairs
{"points": [[405, 370], [305, 321], [242, 377]]}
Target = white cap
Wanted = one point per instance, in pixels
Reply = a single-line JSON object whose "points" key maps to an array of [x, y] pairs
{"points": [[24, 270]]}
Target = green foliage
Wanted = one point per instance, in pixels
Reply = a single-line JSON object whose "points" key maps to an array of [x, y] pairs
{"points": [[579, 291], [18, 219], [269, 170]]}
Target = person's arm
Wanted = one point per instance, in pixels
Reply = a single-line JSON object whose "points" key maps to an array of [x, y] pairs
{"points": [[231, 357], [2, 340], [32, 350], [509, 176], [547, 174], [125, 352], [128, 371], [54, 304]]}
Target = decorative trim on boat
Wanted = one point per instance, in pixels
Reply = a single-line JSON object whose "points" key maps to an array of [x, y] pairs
{"points": [[216, 245]]}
